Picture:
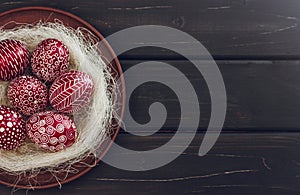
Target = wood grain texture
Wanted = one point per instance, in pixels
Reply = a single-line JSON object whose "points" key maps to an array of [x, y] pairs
{"points": [[235, 29], [238, 164], [261, 95]]}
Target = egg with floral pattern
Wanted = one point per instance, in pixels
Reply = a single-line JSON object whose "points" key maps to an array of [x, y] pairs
{"points": [[51, 131], [50, 59], [12, 129]]}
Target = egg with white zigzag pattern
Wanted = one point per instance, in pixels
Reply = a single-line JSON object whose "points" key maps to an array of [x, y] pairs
{"points": [[71, 91]]}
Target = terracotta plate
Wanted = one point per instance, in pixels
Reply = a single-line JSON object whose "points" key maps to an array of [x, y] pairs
{"points": [[45, 179]]}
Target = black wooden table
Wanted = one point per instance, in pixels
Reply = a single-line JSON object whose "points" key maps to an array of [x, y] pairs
{"points": [[256, 46]]}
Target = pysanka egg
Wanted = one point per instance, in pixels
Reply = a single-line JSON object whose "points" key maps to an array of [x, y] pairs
{"points": [[50, 59], [14, 58], [27, 94], [12, 129], [71, 91], [51, 131]]}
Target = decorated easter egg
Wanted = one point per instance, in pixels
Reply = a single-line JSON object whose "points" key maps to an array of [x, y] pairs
{"points": [[50, 59], [12, 129], [27, 94], [14, 58], [71, 91], [51, 131]]}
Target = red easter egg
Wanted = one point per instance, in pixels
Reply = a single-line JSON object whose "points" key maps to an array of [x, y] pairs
{"points": [[50, 59], [12, 129], [51, 131], [27, 94], [14, 58], [71, 91]]}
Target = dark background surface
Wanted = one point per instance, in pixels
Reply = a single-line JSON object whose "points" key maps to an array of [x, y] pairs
{"points": [[257, 48]]}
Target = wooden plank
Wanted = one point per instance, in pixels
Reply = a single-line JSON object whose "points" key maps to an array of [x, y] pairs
{"points": [[262, 95], [238, 164], [236, 29]]}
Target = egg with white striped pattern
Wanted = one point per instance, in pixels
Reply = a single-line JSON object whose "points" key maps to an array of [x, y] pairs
{"points": [[14, 58]]}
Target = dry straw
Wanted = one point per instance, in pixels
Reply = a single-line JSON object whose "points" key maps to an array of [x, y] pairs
{"points": [[92, 124]]}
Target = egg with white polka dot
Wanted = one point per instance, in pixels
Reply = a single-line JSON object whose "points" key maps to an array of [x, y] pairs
{"points": [[12, 129]]}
